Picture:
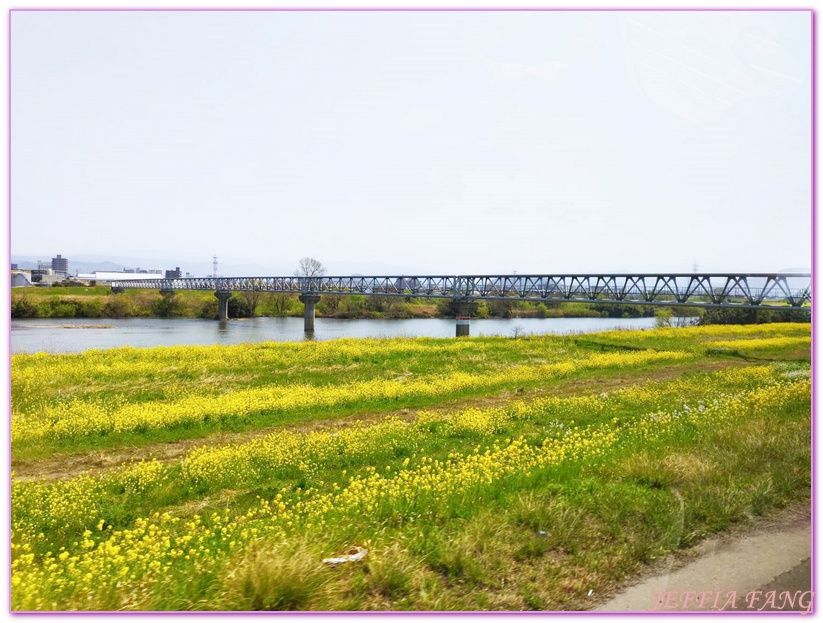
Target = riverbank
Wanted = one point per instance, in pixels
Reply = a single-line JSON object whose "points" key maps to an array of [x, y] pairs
{"points": [[99, 302]]}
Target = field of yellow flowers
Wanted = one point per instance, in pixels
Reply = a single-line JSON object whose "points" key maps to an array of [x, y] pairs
{"points": [[485, 473]]}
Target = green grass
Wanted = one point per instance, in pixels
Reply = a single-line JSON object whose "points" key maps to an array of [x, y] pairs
{"points": [[120, 502], [68, 291], [42, 448], [160, 375], [678, 451]]}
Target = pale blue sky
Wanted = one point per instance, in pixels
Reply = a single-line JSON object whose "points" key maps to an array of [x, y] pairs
{"points": [[437, 142]]}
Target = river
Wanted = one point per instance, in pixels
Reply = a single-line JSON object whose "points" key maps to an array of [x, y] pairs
{"points": [[76, 334]]}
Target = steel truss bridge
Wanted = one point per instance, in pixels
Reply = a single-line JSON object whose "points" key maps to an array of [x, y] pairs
{"points": [[779, 291]]}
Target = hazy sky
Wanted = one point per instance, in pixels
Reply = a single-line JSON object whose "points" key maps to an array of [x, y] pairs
{"points": [[438, 142]]}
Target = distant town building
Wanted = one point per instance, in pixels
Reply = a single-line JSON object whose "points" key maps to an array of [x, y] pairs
{"points": [[60, 264], [113, 275], [19, 279], [42, 265], [173, 274], [46, 276], [14, 267]]}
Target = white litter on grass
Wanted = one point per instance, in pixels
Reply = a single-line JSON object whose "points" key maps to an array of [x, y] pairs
{"points": [[591, 590], [359, 553]]}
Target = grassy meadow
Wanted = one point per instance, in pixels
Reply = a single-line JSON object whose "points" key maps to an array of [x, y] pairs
{"points": [[477, 474]]}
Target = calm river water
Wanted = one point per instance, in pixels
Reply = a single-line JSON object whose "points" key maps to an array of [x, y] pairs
{"points": [[74, 335]]}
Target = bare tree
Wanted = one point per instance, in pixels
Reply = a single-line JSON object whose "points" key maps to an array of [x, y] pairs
{"points": [[252, 298], [279, 302], [310, 267], [675, 317]]}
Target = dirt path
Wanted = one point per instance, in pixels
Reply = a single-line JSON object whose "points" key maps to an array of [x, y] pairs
{"points": [[724, 572], [68, 465]]}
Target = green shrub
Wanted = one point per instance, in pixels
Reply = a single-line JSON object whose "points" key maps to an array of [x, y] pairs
{"points": [[167, 306], [90, 308], [352, 306], [117, 307], [209, 308], [728, 315], [22, 307], [60, 308]]}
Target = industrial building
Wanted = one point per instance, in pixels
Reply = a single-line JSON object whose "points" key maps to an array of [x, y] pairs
{"points": [[20, 278], [103, 277]]}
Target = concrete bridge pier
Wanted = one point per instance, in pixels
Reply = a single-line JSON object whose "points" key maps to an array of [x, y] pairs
{"points": [[463, 310], [223, 300], [309, 300]]}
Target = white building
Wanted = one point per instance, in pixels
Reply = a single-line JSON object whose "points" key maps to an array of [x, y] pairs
{"points": [[109, 276], [20, 278]]}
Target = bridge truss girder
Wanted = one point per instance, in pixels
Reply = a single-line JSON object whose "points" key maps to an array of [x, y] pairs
{"points": [[742, 291]]}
